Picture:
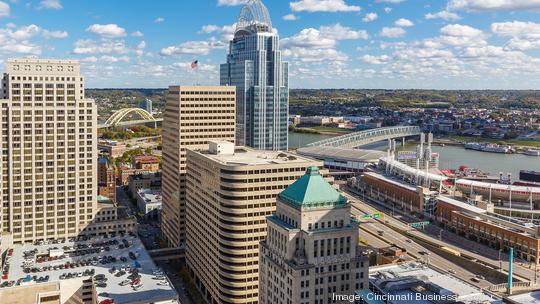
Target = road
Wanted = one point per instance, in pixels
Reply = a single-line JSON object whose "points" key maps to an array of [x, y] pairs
{"points": [[450, 240], [413, 249]]}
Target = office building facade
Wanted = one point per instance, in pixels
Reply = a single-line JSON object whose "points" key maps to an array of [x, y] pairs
{"points": [[311, 252], [194, 115], [230, 192], [254, 65], [48, 147]]}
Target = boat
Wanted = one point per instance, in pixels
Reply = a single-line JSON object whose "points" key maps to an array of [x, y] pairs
{"points": [[492, 148], [533, 152], [529, 176]]}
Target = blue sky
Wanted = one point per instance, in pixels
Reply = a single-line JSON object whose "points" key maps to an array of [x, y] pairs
{"points": [[443, 44]]}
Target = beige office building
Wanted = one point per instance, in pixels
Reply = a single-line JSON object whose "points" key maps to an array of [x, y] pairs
{"points": [[311, 252], [194, 115], [230, 192], [48, 147]]}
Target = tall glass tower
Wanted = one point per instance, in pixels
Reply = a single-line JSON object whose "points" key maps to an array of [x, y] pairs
{"points": [[255, 67]]}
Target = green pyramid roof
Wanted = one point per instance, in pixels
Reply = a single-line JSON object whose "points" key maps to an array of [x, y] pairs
{"points": [[312, 191]]}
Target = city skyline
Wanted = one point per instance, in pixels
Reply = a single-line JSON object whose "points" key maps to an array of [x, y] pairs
{"points": [[465, 44]]}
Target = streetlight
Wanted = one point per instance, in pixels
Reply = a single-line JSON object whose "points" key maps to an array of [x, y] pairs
{"points": [[500, 261]]}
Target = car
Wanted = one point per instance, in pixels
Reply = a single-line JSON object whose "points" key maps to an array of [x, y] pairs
{"points": [[163, 283], [480, 277], [120, 273], [422, 253], [452, 271], [101, 285], [408, 241], [137, 287], [475, 280], [99, 277]]}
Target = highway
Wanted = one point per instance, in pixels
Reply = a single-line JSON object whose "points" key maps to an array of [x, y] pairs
{"points": [[390, 236], [468, 248], [488, 257]]}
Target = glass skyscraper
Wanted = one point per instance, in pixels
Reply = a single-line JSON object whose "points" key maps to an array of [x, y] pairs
{"points": [[255, 67]]}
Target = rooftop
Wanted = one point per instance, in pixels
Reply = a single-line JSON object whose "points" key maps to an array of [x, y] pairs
{"points": [[89, 256], [246, 156], [311, 190], [413, 278], [150, 196], [355, 155], [461, 205]]}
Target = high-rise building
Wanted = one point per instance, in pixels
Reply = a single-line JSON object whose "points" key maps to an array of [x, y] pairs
{"points": [[311, 252], [194, 115], [48, 147], [255, 67], [230, 192], [146, 105]]}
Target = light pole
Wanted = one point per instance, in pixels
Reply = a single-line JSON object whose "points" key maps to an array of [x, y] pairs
{"points": [[500, 261], [440, 235]]}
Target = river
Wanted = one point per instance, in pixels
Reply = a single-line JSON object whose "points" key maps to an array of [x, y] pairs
{"points": [[450, 156]]}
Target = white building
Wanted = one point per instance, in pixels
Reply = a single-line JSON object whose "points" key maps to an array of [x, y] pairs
{"points": [[149, 202]]}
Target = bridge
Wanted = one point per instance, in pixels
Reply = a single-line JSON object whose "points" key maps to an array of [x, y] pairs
{"points": [[166, 254], [361, 138], [117, 118]]}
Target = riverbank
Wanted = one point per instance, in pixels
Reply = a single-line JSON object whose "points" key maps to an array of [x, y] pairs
{"points": [[320, 131]]}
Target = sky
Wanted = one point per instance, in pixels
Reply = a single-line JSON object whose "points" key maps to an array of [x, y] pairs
{"points": [[381, 44]]}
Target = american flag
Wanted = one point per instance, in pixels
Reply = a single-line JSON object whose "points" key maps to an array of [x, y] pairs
{"points": [[195, 64]]}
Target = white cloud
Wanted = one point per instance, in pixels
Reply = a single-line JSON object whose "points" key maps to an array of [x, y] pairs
{"points": [[55, 34], [445, 15], [5, 10], [50, 4], [141, 45], [113, 59], [403, 23], [231, 2], [88, 46], [324, 37], [137, 34], [392, 32], [390, 1], [159, 20], [192, 48], [524, 35], [323, 6], [461, 35], [290, 17], [388, 10], [107, 30], [370, 17], [375, 59], [493, 5], [315, 55], [226, 31]]}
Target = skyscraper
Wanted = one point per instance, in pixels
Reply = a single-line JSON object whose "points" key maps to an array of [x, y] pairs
{"points": [[230, 192], [194, 115], [255, 67], [311, 252], [49, 153]]}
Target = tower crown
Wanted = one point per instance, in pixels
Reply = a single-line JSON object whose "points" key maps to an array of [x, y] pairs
{"points": [[254, 18], [312, 191]]}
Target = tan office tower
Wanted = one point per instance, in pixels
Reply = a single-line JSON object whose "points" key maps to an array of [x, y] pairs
{"points": [[311, 252], [230, 192], [48, 148], [194, 115]]}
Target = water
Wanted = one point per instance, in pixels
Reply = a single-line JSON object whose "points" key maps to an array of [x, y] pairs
{"points": [[450, 156]]}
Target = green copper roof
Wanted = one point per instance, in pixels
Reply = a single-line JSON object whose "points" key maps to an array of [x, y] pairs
{"points": [[312, 191]]}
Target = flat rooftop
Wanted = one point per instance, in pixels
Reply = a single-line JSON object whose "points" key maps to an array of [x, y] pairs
{"points": [[461, 205], [74, 252], [245, 157], [355, 155], [391, 180], [400, 280], [525, 298]]}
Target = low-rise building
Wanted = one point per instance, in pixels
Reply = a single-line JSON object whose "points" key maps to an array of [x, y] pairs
{"points": [[393, 192], [149, 202], [417, 283], [112, 148], [144, 181], [146, 162]]}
